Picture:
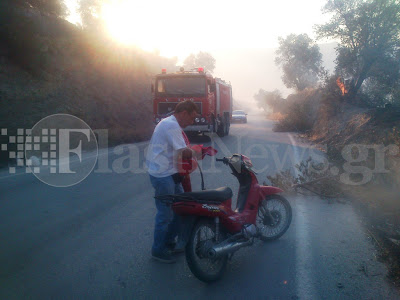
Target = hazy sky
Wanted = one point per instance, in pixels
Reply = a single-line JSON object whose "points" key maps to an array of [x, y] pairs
{"points": [[223, 28], [179, 27]]}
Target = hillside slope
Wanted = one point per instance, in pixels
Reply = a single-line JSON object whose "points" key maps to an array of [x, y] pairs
{"points": [[49, 66]]}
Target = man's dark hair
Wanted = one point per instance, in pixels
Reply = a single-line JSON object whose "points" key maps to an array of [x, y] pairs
{"points": [[187, 105]]}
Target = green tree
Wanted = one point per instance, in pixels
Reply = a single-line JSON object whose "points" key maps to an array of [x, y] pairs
{"points": [[190, 62], [269, 100], [90, 11], [25, 28], [300, 60], [384, 80], [47, 7], [369, 36], [202, 59]]}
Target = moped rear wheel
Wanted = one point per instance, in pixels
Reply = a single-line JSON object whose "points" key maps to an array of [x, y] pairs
{"points": [[203, 237], [274, 217]]}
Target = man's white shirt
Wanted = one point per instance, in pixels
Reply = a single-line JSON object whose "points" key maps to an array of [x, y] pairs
{"points": [[164, 146]]}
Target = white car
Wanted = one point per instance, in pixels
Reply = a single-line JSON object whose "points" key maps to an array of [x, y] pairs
{"points": [[239, 116]]}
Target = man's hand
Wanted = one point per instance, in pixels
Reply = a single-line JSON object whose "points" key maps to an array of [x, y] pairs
{"points": [[188, 153], [187, 160]]}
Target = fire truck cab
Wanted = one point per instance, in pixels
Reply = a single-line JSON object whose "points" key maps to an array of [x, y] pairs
{"points": [[212, 96]]}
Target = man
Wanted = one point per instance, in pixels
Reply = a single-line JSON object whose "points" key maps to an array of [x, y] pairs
{"points": [[167, 146]]}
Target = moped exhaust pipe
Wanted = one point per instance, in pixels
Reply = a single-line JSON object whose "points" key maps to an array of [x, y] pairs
{"points": [[226, 248]]}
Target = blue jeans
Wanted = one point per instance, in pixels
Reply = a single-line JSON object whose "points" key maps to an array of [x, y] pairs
{"points": [[167, 225]]}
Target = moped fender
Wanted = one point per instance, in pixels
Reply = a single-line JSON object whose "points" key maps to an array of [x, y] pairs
{"points": [[187, 224], [269, 190]]}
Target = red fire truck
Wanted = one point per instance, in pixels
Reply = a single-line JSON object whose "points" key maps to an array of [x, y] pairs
{"points": [[212, 96]]}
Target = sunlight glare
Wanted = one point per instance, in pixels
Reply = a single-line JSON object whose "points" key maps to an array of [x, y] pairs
{"points": [[122, 20], [180, 27], [140, 24]]}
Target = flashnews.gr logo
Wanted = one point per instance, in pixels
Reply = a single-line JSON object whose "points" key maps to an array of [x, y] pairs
{"points": [[53, 150]]}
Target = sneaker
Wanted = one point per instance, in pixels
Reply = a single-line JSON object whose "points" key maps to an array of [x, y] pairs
{"points": [[179, 248], [164, 257], [170, 245]]}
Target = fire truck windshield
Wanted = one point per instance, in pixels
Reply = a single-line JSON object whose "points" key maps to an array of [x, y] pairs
{"points": [[181, 86]]}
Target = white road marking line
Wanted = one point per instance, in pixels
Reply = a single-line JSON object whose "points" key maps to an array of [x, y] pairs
{"points": [[304, 271]]}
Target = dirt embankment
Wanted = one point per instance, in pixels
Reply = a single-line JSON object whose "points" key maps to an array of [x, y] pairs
{"points": [[362, 146], [364, 143]]}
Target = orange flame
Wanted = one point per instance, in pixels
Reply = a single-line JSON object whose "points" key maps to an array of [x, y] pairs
{"points": [[341, 86]]}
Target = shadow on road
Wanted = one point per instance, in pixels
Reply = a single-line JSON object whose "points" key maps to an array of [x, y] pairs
{"points": [[196, 139]]}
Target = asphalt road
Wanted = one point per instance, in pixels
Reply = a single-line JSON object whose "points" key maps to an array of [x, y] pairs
{"points": [[93, 239]]}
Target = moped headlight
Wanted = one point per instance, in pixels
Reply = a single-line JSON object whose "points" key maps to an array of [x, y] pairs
{"points": [[197, 120], [203, 120]]}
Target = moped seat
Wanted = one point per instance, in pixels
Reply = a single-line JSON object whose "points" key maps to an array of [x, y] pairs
{"points": [[220, 194]]}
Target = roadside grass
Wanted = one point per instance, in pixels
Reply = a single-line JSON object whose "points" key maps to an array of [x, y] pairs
{"points": [[312, 178]]}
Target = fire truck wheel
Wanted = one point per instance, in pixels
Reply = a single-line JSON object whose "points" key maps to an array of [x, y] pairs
{"points": [[227, 127], [221, 129], [215, 125]]}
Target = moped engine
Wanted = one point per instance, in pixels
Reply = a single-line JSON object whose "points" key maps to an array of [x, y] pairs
{"points": [[249, 231]]}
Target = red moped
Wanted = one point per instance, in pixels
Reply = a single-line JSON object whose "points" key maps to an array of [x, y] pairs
{"points": [[217, 231]]}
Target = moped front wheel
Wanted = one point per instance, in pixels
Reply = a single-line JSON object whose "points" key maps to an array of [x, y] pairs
{"points": [[274, 217], [203, 237]]}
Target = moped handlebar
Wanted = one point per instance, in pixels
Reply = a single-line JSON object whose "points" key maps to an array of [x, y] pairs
{"points": [[224, 160]]}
